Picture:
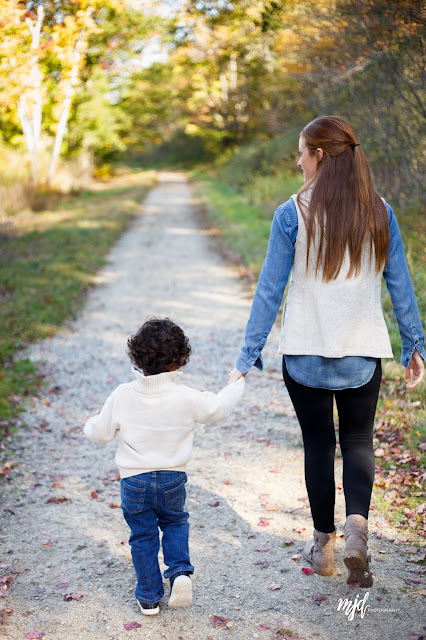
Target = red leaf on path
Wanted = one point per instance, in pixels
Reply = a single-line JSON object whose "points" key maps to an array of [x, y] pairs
{"points": [[57, 500], [319, 597], [219, 621], [214, 504], [73, 596], [275, 587], [263, 549], [34, 635], [379, 598], [263, 522], [306, 571], [93, 494], [58, 485], [263, 627], [114, 505], [297, 557], [131, 625], [379, 534], [413, 580], [288, 543], [299, 530], [251, 534]]}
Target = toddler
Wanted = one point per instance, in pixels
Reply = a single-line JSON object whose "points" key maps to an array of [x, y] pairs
{"points": [[153, 418]]}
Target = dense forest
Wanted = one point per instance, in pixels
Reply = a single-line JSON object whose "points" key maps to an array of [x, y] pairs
{"points": [[243, 75]]}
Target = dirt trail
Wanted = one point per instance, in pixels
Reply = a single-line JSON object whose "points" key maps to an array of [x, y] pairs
{"points": [[245, 491]]}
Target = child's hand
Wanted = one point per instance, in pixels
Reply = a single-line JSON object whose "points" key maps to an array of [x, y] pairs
{"points": [[235, 375]]}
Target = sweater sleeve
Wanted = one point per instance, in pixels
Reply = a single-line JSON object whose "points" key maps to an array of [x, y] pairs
{"points": [[212, 407], [101, 428]]}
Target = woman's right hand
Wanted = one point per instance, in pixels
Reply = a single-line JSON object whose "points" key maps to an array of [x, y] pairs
{"points": [[235, 375], [415, 370]]}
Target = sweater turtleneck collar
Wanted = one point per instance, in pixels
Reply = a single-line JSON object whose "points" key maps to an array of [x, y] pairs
{"points": [[156, 383]]}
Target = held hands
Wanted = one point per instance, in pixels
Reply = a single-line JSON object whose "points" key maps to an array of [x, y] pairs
{"points": [[415, 370], [235, 375]]}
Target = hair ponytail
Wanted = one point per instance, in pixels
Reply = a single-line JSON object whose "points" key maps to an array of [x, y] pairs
{"points": [[344, 211]]}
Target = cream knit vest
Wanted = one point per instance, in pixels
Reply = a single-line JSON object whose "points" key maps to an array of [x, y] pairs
{"points": [[342, 317]]}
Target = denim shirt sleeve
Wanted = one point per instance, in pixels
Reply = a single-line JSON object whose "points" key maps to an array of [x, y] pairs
{"points": [[270, 288], [400, 287]]}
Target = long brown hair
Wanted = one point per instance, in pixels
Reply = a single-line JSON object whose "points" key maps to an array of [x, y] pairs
{"points": [[343, 209]]}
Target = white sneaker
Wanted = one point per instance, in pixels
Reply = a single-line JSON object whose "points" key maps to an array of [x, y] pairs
{"points": [[149, 609], [181, 593]]}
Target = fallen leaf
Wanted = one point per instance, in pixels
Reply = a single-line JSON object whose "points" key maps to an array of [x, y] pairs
{"points": [[219, 621], [216, 503], [62, 585], [413, 580], [275, 587], [57, 500], [264, 522], [263, 564], [263, 549], [319, 597], [263, 627], [379, 534], [114, 505], [131, 625], [73, 596], [306, 571], [94, 495], [34, 635], [297, 557]]}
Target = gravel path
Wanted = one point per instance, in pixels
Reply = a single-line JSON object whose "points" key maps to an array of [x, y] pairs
{"points": [[61, 529]]}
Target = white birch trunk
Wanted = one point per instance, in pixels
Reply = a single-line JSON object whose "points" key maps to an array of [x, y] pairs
{"points": [[66, 108], [30, 104]]}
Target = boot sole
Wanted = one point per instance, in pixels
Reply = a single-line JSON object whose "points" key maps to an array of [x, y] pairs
{"points": [[359, 571], [181, 595]]}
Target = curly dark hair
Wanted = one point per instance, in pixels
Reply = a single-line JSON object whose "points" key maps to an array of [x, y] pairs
{"points": [[158, 346]]}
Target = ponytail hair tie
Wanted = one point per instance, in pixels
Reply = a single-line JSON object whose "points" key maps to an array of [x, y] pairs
{"points": [[355, 145]]}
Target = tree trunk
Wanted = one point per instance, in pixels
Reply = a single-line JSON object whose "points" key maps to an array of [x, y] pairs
{"points": [[30, 104], [66, 108]]}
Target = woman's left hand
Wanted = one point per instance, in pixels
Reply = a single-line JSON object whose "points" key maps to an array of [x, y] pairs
{"points": [[235, 375], [415, 370]]}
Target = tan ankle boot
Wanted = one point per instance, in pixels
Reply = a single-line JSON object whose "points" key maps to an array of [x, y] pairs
{"points": [[356, 552], [320, 552]]}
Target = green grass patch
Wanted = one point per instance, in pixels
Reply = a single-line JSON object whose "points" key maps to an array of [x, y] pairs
{"points": [[48, 262], [244, 225]]}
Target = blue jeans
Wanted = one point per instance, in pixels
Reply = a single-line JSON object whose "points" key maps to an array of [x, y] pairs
{"points": [[152, 500]]}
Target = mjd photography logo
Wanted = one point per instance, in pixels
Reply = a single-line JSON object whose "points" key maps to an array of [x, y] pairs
{"points": [[350, 607]]}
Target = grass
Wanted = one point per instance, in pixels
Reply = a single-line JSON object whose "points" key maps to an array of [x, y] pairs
{"points": [[48, 262], [400, 435]]}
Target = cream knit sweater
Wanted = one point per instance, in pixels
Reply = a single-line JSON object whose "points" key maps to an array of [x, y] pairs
{"points": [[154, 418]]}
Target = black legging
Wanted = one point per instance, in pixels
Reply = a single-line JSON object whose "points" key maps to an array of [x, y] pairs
{"points": [[356, 409]]}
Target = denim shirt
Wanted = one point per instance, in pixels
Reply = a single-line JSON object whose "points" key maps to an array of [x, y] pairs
{"points": [[318, 371]]}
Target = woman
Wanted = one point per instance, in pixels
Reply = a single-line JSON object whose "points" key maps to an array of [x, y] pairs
{"points": [[338, 237]]}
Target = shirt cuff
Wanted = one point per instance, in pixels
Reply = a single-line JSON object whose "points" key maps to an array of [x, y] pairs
{"points": [[244, 365], [407, 352]]}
